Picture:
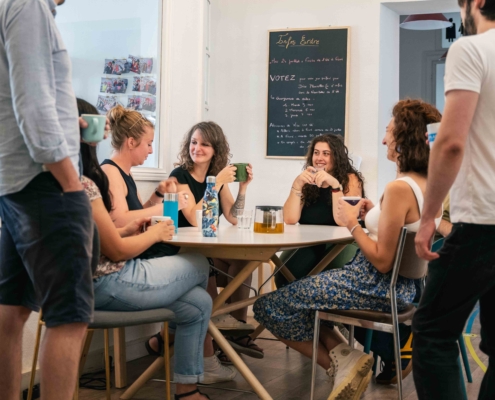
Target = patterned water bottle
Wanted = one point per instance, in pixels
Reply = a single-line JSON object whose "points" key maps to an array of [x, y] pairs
{"points": [[210, 209]]}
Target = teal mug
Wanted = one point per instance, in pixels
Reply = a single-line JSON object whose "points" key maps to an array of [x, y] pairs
{"points": [[95, 132]]}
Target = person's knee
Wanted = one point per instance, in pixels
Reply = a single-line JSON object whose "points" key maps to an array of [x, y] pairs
{"points": [[14, 316]]}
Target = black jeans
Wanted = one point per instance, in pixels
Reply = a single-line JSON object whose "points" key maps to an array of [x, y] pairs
{"points": [[463, 275]]}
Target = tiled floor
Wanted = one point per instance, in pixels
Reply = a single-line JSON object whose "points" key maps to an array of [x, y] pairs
{"points": [[286, 376]]}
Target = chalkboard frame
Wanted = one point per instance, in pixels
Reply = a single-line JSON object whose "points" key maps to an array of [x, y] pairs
{"points": [[348, 70]]}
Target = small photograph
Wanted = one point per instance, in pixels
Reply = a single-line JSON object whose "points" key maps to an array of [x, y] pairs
{"points": [[134, 64], [114, 67], [148, 103], [113, 85], [136, 84], [134, 102], [146, 65], [149, 85], [105, 103]]}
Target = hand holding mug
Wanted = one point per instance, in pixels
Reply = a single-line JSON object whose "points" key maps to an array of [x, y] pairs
{"points": [[183, 199], [134, 227], [163, 231], [250, 176], [348, 214], [324, 180], [226, 175], [306, 177], [367, 205]]}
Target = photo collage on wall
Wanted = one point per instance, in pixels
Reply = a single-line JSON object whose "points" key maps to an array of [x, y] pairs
{"points": [[139, 90]]}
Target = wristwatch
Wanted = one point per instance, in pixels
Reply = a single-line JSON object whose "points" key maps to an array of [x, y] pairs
{"points": [[336, 190], [158, 194]]}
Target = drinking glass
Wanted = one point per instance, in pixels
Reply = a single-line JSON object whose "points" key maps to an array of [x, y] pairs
{"points": [[244, 219], [171, 208]]}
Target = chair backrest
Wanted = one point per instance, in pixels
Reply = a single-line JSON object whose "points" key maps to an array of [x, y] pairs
{"points": [[407, 263]]}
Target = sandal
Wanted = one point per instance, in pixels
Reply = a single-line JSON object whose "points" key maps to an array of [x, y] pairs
{"points": [[180, 396], [224, 358], [245, 345], [161, 346]]}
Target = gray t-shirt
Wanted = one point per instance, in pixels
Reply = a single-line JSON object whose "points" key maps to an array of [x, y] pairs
{"points": [[38, 110]]}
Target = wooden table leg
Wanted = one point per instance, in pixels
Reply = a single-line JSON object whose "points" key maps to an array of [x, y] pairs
{"points": [[234, 284], [119, 353], [238, 363], [332, 254], [284, 271]]}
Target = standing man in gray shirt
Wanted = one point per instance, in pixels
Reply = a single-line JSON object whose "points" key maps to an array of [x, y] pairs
{"points": [[46, 239]]}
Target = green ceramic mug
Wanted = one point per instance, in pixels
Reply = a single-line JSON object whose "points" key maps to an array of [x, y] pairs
{"points": [[95, 132], [241, 174]]}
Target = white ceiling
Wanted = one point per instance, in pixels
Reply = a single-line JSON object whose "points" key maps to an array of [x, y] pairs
{"points": [[422, 6]]}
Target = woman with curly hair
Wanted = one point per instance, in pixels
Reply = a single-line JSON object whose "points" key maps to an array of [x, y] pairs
{"points": [[328, 175], [206, 152], [363, 283]]}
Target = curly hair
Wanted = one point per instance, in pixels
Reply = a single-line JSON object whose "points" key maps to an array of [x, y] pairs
{"points": [[212, 134], [342, 166], [410, 118]]}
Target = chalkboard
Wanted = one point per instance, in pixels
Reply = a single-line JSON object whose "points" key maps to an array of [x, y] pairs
{"points": [[308, 78]]}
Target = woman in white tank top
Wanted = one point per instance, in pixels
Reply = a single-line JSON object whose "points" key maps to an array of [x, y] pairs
{"points": [[364, 282]]}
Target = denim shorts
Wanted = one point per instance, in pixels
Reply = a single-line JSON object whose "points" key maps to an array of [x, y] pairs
{"points": [[46, 251]]}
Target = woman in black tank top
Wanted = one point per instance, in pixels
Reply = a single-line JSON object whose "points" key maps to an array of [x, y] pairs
{"points": [[328, 175], [204, 152]]}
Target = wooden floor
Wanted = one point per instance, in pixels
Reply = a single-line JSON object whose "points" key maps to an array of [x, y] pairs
{"points": [[286, 376]]}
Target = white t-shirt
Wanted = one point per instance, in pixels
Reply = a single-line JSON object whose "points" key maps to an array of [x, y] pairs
{"points": [[471, 66]]}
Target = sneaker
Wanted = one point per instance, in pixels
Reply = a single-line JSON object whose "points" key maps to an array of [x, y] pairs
{"points": [[388, 375], [216, 372], [226, 322], [348, 373]]}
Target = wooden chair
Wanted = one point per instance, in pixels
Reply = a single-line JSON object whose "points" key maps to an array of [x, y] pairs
{"points": [[109, 320], [407, 264]]}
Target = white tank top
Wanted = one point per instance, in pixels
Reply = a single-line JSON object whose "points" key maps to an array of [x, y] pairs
{"points": [[374, 214]]}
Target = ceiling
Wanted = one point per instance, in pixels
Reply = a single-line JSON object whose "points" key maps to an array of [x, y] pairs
{"points": [[422, 6]]}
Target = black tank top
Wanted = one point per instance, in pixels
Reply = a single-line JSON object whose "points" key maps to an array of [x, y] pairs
{"points": [[132, 197], [197, 189], [133, 203], [321, 212]]}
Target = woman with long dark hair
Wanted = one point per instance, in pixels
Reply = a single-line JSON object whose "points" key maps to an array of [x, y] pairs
{"points": [[124, 282], [328, 175]]}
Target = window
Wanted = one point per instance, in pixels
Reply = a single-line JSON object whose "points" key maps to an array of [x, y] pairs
{"points": [[206, 79], [115, 48]]}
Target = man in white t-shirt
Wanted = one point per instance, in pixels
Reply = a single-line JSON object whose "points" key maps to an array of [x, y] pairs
{"points": [[463, 271]]}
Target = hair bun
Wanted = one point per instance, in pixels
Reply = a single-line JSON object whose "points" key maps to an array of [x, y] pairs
{"points": [[116, 114]]}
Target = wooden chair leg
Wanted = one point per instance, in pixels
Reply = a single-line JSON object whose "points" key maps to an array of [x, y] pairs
{"points": [[107, 363], [35, 356], [261, 275], [167, 360]]}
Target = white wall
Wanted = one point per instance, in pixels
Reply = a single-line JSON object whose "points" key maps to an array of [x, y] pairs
{"points": [[238, 95]]}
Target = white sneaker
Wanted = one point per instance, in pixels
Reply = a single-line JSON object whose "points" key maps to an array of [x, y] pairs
{"points": [[227, 322], [216, 372], [348, 373]]}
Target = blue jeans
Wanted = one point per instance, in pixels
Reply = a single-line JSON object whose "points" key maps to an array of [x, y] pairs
{"points": [[177, 283]]}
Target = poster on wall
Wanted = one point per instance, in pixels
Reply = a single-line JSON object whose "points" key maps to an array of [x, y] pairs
{"points": [[113, 85], [308, 79], [105, 103], [144, 84], [140, 65]]}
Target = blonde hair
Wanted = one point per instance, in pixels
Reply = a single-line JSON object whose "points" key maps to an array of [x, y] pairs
{"points": [[126, 123]]}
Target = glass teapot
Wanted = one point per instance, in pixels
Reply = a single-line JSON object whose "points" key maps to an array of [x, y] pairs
{"points": [[269, 219]]}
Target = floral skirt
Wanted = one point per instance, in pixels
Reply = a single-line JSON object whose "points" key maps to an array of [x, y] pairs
{"points": [[289, 312]]}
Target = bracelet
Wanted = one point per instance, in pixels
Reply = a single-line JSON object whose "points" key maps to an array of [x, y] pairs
{"points": [[354, 227], [158, 194], [298, 193]]}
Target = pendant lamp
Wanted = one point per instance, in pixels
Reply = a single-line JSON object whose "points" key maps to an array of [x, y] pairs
{"points": [[425, 22]]}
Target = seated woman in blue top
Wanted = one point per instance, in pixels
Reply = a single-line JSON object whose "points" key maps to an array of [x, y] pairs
{"points": [[313, 199], [205, 152], [363, 283]]}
